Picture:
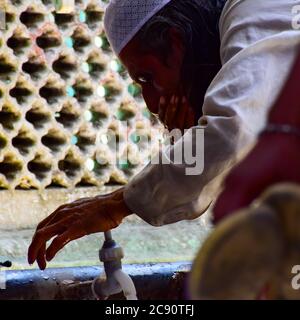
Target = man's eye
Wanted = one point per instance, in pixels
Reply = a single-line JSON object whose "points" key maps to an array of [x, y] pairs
{"points": [[144, 79]]}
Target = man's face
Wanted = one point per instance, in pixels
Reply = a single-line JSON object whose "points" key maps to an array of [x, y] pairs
{"points": [[156, 78]]}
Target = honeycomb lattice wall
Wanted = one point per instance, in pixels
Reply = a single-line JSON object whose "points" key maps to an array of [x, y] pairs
{"points": [[62, 92]]}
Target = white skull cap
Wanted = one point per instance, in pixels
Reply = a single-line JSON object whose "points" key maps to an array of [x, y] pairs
{"points": [[124, 18]]}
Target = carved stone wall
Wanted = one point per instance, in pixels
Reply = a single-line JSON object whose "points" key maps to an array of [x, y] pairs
{"points": [[62, 95]]}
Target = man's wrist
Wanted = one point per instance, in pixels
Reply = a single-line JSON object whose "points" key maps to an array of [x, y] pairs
{"points": [[122, 207], [125, 208], [114, 206]]}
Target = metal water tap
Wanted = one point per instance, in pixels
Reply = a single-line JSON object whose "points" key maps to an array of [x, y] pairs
{"points": [[114, 280]]}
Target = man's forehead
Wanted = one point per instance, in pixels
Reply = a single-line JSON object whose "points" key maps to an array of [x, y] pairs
{"points": [[137, 61]]}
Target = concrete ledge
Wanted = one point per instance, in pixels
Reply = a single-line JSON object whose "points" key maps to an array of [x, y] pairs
{"points": [[161, 281]]}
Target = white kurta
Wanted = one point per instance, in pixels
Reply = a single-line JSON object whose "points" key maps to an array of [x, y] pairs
{"points": [[258, 48]]}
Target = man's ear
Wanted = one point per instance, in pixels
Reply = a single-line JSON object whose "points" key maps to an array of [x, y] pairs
{"points": [[178, 49]]}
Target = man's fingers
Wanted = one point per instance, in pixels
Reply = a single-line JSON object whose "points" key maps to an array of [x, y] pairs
{"points": [[41, 257], [47, 220], [162, 108], [176, 112], [54, 216], [52, 219], [171, 111], [58, 213], [42, 236], [182, 114], [179, 114], [190, 119], [74, 232]]}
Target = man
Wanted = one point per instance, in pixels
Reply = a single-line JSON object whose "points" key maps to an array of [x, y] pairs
{"points": [[175, 50]]}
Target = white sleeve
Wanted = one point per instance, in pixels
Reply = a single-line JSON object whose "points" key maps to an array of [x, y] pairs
{"points": [[235, 110]]}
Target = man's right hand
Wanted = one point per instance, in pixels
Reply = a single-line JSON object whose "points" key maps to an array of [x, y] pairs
{"points": [[75, 220], [176, 113]]}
